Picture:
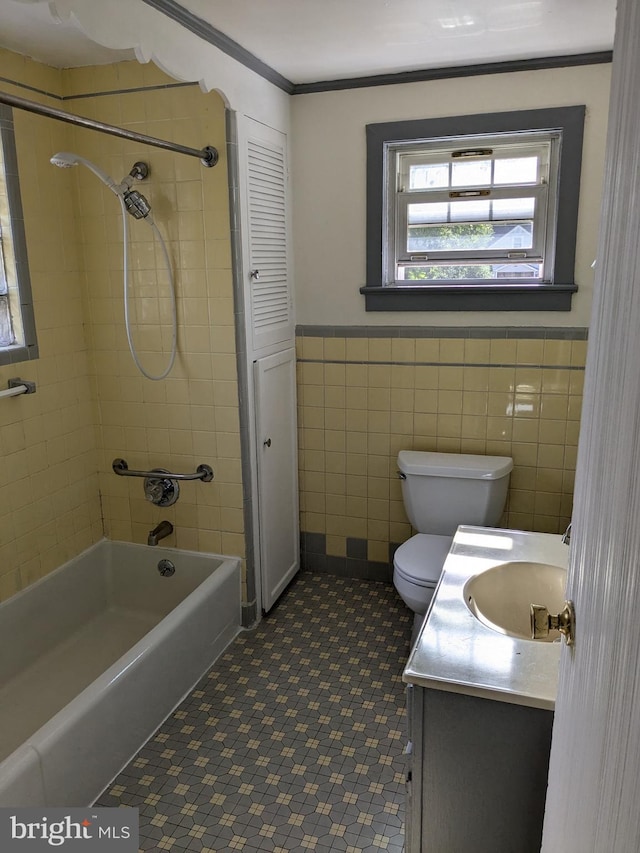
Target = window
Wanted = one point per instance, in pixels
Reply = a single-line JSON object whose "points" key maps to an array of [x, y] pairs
{"points": [[462, 214], [473, 212], [17, 327]]}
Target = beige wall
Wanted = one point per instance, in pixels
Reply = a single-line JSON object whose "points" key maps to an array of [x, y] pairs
{"points": [[91, 404], [328, 167]]}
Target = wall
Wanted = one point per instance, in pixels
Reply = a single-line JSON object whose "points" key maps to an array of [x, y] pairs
{"points": [[192, 416], [91, 404], [361, 400], [49, 456], [328, 169], [371, 384], [249, 97]]}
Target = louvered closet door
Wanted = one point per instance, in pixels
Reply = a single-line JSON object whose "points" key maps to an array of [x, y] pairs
{"points": [[271, 351], [271, 311]]}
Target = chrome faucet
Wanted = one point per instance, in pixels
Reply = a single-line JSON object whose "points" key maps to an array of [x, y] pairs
{"points": [[566, 536], [165, 528]]}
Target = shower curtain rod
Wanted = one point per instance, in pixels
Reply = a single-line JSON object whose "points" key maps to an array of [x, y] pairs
{"points": [[208, 155]]}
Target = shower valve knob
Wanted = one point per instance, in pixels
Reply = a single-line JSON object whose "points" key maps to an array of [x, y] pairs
{"points": [[154, 492], [160, 490]]}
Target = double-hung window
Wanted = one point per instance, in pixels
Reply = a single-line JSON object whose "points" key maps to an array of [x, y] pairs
{"points": [[483, 218], [473, 213]]}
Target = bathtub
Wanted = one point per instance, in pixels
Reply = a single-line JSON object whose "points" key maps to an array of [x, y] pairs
{"points": [[95, 656]]}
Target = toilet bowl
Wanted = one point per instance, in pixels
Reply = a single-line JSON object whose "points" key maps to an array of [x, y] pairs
{"points": [[441, 491], [417, 566]]}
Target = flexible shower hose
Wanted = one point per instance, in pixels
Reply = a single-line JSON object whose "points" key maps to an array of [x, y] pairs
{"points": [[127, 324]]}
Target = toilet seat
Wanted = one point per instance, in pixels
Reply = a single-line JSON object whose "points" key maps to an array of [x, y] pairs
{"points": [[419, 560]]}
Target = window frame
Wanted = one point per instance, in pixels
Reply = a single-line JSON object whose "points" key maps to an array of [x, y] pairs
{"points": [[19, 279], [556, 295]]}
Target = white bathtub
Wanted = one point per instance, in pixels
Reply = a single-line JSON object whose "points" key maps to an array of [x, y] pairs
{"points": [[95, 656]]}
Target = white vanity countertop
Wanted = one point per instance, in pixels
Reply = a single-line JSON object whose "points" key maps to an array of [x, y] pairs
{"points": [[456, 652]]}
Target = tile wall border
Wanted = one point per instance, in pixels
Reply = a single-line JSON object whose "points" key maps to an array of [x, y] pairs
{"points": [[355, 564], [549, 333]]}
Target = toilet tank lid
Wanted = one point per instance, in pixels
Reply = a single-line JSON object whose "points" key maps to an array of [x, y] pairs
{"points": [[464, 465]]}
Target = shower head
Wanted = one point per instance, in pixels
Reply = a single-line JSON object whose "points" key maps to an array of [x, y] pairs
{"points": [[66, 159], [134, 202]]}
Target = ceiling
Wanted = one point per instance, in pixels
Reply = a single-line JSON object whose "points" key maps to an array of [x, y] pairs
{"points": [[29, 29], [315, 40]]}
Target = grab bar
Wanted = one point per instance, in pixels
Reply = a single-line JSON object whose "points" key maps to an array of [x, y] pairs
{"points": [[203, 472], [17, 387]]}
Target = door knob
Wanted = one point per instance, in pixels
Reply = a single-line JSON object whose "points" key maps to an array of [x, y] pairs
{"points": [[542, 622], [267, 442]]}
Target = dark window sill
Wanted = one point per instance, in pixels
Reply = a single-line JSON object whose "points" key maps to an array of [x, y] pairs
{"points": [[507, 297], [17, 354]]}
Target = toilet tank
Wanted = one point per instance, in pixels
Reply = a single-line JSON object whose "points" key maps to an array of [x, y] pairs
{"points": [[442, 490]]}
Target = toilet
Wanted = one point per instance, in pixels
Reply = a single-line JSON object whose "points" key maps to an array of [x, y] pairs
{"points": [[441, 491]]}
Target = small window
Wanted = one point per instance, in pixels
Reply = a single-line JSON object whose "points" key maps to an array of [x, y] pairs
{"points": [[469, 214], [17, 327], [483, 219]]}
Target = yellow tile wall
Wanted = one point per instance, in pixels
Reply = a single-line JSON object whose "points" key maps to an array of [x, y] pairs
{"points": [[362, 400], [48, 442], [91, 404], [192, 416]]}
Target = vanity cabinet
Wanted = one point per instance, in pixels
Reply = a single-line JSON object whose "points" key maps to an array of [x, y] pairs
{"points": [[476, 773]]}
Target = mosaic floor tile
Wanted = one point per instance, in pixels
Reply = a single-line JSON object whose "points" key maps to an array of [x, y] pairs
{"points": [[293, 740]]}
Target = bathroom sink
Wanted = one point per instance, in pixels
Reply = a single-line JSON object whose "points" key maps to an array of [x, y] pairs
{"points": [[501, 597]]}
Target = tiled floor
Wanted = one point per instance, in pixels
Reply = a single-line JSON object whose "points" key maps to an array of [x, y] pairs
{"points": [[293, 741]]}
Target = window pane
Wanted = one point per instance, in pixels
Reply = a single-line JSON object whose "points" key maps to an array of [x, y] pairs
{"points": [[513, 208], [6, 333], [431, 176], [462, 237], [516, 170], [3, 272], [467, 236], [513, 235], [439, 273], [463, 211], [456, 211], [435, 212], [471, 211], [471, 173]]}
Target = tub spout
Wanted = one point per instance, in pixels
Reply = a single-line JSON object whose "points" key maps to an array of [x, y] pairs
{"points": [[165, 528]]}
